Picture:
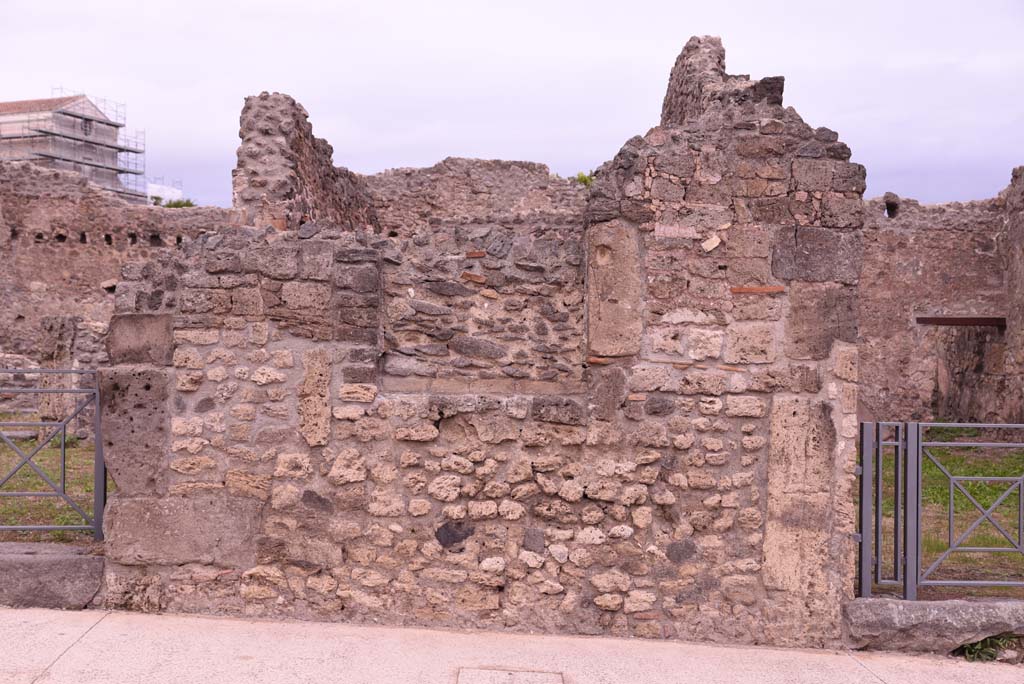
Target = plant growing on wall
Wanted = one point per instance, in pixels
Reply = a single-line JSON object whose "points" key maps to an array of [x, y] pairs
{"points": [[584, 178], [172, 204]]}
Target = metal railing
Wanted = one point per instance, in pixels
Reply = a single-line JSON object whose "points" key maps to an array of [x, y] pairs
{"points": [[48, 431], [893, 457]]}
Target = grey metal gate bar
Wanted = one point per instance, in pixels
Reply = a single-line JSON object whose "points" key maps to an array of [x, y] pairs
{"points": [[51, 430], [912, 449]]}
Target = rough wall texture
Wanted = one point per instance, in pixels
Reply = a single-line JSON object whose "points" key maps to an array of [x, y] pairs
{"points": [[63, 242], [941, 260], [285, 176], [443, 423], [483, 281], [1014, 344]]}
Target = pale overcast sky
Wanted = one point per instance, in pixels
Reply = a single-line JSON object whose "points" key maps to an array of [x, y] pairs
{"points": [[928, 94]]}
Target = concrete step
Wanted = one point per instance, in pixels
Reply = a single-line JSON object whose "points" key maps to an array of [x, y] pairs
{"points": [[37, 575]]}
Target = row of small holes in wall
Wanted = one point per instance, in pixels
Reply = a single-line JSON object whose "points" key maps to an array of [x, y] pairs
{"points": [[154, 239]]}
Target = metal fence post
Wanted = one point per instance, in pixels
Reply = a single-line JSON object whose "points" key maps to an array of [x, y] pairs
{"points": [[912, 513], [99, 475], [867, 447]]}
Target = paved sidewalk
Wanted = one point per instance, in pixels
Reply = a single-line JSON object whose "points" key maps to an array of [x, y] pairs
{"points": [[94, 647]]}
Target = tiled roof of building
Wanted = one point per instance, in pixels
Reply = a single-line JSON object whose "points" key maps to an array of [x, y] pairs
{"points": [[45, 105]]}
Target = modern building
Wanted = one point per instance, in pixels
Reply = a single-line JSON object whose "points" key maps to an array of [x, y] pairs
{"points": [[76, 133]]}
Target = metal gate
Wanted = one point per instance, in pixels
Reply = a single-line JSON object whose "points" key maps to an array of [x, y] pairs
{"points": [[16, 435], [893, 457]]}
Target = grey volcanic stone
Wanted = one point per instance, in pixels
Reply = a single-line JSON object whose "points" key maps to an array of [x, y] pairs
{"points": [[928, 626], [178, 530], [817, 254], [476, 347], [48, 576]]}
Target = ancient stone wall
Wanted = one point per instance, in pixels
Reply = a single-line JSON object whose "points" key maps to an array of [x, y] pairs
{"points": [[931, 260], [518, 405], [1014, 343], [62, 244], [285, 176], [480, 395], [483, 285]]}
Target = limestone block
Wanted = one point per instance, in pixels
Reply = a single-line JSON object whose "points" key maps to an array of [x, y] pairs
{"points": [[743, 406], [819, 314], [364, 393], [750, 343], [314, 409], [244, 483], [639, 600], [704, 343], [846, 364], [304, 295], [614, 290], [796, 541], [207, 529], [611, 602], [135, 427], [445, 487], [611, 581], [349, 466], [140, 338], [803, 442], [421, 432]]}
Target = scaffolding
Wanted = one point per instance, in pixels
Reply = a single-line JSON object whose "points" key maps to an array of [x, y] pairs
{"points": [[82, 134]]}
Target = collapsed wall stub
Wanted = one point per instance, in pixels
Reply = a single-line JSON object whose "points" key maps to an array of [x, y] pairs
{"points": [[285, 177], [478, 395]]}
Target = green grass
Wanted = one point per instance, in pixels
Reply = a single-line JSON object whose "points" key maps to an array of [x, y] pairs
{"points": [[935, 487], [33, 510]]}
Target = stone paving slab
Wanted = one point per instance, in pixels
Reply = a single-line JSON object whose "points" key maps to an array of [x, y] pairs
{"points": [[92, 647], [40, 575]]}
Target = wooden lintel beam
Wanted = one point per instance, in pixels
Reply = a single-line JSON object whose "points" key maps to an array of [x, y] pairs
{"points": [[987, 321]]}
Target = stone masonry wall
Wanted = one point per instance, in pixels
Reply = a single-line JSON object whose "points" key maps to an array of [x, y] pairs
{"points": [[62, 244], [285, 176], [481, 395], [623, 417], [1013, 407], [723, 252], [484, 286], [940, 260]]}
